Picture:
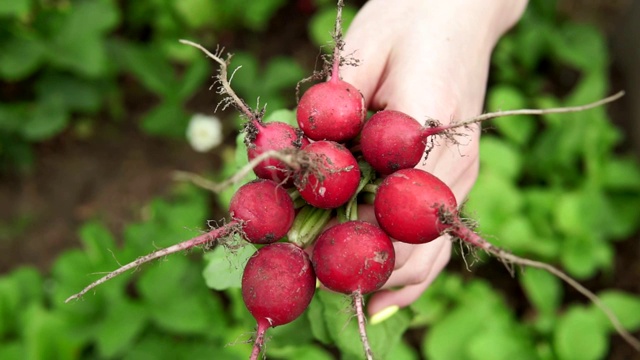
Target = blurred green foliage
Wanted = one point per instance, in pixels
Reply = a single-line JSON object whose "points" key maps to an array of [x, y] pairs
{"points": [[64, 65], [551, 188]]}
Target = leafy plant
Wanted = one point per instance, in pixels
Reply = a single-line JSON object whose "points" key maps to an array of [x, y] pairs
{"points": [[63, 64]]}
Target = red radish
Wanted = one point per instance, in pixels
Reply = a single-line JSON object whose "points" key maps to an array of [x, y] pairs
{"points": [[264, 209], [262, 137], [336, 179], [353, 256], [392, 140], [433, 212], [414, 206], [333, 110], [277, 286]]}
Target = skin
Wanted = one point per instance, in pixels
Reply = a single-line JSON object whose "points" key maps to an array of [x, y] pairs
{"points": [[427, 58]]}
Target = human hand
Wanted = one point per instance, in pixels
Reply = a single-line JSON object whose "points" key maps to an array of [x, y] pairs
{"points": [[428, 59]]}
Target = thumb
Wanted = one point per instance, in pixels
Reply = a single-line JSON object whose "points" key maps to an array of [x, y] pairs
{"points": [[385, 302]]}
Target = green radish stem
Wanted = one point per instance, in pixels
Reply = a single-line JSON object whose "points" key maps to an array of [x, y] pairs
{"points": [[308, 224]]}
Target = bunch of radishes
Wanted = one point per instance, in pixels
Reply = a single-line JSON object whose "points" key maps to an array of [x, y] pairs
{"points": [[314, 163]]}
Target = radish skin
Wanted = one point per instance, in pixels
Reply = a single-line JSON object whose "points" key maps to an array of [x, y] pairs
{"points": [[264, 209], [420, 222], [335, 179], [278, 284]]}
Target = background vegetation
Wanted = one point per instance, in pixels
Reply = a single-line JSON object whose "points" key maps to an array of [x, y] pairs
{"points": [[559, 189]]}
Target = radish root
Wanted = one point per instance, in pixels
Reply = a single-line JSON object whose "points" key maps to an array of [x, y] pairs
{"points": [[434, 127], [296, 160], [462, 232], [204, 239], [358, 302], [225, 83]]}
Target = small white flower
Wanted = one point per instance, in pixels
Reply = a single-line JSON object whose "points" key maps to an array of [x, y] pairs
{"points": [[204, 132]]}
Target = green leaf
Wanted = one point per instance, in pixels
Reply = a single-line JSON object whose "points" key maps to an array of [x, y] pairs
{"points": [[621, 174], [15, 8], [341, 326], [581, 45], [625, 306], [12, 350], [518, 234], [123, 323], [531, 41], [47, 336], [194, 77], [492, 201], [150, 67], [625, 219], [194, 311], [583, 255], [258, 13], [543, 290], [21, 56], [196, 13], [302, 351], [75, 93], [47, 119], [225, 267], [448, 339], [402, 351], [78, 44], [432, 305], [165, 346], [9, 303], [580, 336], [282, 115], [517, 129], [500, 157], [502, 343], [282, 73], [291, 335], [586, 211], [167, 119], [318, 324], [98, 242]]}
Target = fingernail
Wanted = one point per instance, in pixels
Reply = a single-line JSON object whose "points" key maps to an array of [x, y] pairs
{"points": [[383, 314]]}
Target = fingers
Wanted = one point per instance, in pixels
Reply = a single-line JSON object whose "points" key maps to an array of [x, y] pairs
{"points": [[366, 43], [421, 264], [416, 277]]}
